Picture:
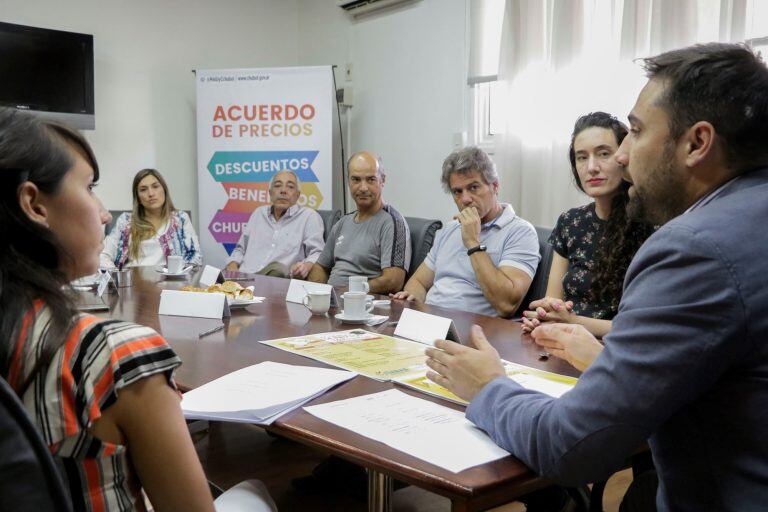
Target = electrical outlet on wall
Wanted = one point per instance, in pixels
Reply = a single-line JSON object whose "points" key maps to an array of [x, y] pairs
{"points": [[348, 72]]}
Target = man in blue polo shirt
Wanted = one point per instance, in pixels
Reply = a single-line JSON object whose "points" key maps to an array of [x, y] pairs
{"points": [[484, 261]]}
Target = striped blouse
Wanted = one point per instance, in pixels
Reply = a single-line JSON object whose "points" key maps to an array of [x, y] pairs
{"points": [[98, 358]]}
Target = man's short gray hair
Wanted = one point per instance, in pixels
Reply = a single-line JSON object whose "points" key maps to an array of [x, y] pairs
{"points": [[466, 160], [298, 181]]}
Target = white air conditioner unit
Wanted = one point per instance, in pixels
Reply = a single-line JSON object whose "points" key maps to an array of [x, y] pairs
{"points": [[358, 7]]}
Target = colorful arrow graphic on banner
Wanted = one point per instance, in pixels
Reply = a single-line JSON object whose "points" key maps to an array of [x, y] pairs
{"points": [[227, 226], [245, 176], [260, 166], [310, 196], [246, 197]]}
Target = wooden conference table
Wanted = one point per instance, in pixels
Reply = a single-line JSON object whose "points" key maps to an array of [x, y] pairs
{"points": [[237, 346]]}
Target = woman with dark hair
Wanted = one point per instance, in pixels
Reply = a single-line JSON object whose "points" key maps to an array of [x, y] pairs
{"points": [[100, 392], [593, 244], [153, 231]]}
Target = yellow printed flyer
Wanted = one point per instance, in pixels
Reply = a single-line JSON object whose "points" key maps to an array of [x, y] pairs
{"points": [[552, 384], [371, 354]]}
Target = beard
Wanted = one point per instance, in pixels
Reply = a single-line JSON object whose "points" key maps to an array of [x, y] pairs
{"points": [[663, 198]]}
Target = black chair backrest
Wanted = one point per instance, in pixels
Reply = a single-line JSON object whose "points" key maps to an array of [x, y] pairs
{"points": [[538, 286], [330, 217], [29, 479], [116, 213], [422, 237]]}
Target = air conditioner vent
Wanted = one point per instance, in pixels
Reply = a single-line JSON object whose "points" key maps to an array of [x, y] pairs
{"points": [[358, 7]]}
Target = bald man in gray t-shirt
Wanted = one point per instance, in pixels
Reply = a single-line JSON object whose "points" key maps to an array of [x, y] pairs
{"points": [[374, 241], [366, 248]]}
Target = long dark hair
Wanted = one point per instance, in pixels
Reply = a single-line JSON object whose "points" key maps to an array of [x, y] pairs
{"points": [[621, 237], [40, 152]]}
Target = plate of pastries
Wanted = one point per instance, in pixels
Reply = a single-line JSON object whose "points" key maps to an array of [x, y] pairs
{"points": [[237, 296]]}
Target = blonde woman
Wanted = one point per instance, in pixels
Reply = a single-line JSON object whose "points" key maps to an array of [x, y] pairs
{"points": [[153, 231]]}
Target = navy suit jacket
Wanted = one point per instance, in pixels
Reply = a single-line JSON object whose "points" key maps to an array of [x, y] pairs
{"points": [[685, 367]]}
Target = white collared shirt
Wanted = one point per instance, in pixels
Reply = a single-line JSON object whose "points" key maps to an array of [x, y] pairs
{"points": [[296, 236]]}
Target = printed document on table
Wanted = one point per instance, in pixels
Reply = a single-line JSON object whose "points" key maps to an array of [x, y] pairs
{"points": [[552, 384], [423, 429], [374, 355], [260, 393]]}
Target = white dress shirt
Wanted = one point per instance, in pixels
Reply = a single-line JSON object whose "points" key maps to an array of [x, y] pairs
{"points": [[297, 236]]}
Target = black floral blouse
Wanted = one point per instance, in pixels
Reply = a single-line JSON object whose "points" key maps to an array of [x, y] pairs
{"points": [[575, 237]]}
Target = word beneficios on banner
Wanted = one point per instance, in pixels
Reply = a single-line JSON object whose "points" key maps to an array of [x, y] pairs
{"points": [[227, 122]]}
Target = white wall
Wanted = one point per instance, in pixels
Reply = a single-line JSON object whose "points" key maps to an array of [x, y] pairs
{"points": [[408, 74], [323, 40], [409, 80], [144, 51]]}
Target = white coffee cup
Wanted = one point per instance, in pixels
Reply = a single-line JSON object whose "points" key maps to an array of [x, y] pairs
{"points": [[356, 305], [358, 284], [318, 302], [175, 264]]}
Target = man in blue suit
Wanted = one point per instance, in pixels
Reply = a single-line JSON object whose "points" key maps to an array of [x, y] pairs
{"points": [[685, 366]]}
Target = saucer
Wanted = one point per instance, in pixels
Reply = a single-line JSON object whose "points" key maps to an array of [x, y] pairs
{"points": [[347, 320], [182, 273], [368, 297], [241, 303]]}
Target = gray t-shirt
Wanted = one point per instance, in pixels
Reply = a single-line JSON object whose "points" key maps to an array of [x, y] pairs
{"points": [[366, 248]]}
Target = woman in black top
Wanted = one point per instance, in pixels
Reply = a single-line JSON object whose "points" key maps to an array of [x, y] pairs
{"points": [[592, 244]]}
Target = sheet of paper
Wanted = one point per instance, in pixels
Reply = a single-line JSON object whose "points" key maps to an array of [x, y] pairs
{"points": [[552, 384], [542, 385], [374, 355], [260, 393], [209, 276], [428, 431], [297, 290], [195, 304], [422, 327]]}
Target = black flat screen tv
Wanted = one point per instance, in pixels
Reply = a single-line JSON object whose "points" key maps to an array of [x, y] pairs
{"points": [[47, 72]]}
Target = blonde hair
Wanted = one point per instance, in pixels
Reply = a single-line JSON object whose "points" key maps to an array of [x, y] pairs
{"points": [[141, 228]]}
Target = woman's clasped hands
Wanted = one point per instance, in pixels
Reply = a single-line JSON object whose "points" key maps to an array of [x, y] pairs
{"points": [[548, 309]]}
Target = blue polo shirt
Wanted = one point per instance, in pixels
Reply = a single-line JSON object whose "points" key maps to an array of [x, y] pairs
{"points": [[511, 242]]}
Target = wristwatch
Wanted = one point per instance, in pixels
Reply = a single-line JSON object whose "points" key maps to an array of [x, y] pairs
{"points": [[473, 250]]}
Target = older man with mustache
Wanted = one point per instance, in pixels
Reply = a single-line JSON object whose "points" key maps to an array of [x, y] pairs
{"points": [[283, 238]]}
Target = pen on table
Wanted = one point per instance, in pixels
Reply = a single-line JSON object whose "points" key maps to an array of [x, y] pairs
{"points": [[211, 331]]}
